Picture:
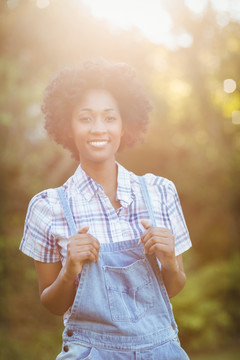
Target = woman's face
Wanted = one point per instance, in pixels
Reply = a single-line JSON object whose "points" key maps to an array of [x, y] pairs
{"points": [[96, 127]]}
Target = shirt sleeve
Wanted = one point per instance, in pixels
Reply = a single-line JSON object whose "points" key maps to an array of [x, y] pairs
{"points": [[176, 217], [38, 241]]}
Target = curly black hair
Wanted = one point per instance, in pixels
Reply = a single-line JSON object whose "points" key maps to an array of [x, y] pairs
{"points": [[66, 89]]}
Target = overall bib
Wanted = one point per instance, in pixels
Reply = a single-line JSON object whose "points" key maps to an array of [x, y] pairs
{"points": [[121, 309]]}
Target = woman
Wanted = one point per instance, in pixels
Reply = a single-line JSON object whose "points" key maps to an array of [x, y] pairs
{"points": [[107, 245]]}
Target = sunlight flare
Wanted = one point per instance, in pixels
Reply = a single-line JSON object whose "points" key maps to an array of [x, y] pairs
{"points": [[148, 16]]}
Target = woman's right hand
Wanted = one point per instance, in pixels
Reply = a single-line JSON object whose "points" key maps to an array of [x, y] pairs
{"points": [[81, 247], [57, 283]]}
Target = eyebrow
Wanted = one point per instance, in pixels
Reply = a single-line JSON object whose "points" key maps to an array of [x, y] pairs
{"points": [[87, 109]]}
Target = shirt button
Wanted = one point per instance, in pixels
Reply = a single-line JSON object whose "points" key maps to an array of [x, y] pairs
{"points": [[65, 348], [69, 332]]}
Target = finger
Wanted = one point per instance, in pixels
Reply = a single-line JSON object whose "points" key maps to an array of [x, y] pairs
{"points": [[164, 249], [155, 240], [84, 252], [156, 232], [146, 224], [84, 239], [157, 248], [84, 230], [149, 233], [89, 249], [87, 256]]}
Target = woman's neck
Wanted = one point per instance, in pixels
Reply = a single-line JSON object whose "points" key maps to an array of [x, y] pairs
{"points": [[104, 174]]}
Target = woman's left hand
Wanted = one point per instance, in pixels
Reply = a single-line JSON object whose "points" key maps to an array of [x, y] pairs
{"points": [[161, 242]]}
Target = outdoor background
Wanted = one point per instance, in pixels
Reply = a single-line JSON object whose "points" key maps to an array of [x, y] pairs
{"points": [[187, 53]]}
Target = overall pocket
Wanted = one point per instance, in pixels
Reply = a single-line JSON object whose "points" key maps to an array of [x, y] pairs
{"points": [[130, 290]]}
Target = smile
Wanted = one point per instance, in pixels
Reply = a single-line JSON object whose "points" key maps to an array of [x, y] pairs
{"points": [[98, 143]]}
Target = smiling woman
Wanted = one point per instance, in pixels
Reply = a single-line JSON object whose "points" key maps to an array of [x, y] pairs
{"points": [[107, 244]]}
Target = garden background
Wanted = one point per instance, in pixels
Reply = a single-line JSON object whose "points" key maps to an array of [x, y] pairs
{"points": [[194, 140]]}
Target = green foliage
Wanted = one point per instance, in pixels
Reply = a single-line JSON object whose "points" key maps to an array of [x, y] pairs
{"points": [[29, 331], [207, 310], [231, 354]]}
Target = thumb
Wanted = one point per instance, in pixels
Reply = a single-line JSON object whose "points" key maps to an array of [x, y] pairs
{"points": [[146, 223], [83, 230]]}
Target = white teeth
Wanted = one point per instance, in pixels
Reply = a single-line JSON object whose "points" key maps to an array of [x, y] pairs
{"points": [[98, 143]]}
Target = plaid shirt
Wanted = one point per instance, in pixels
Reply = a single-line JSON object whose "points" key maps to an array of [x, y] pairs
{"points": [[46, 230]]}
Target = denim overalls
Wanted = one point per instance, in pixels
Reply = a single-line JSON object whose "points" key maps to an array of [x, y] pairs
{"points": [[121, 309]]}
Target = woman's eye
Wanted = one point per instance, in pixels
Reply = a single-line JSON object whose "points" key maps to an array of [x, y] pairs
{"points": [[110, 118], [85, 119]]}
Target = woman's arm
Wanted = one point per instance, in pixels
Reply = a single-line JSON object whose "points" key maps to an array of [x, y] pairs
{"points": [[57, 283], [56, 290], [174, 278], [161, 242]]}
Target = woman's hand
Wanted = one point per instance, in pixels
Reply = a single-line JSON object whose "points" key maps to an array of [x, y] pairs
{"points": [[81, 247], [161, 242], [57, 283]]}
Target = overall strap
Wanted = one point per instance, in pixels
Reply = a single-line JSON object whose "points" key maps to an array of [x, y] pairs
{"points": [[66, 209], [147, 200]]}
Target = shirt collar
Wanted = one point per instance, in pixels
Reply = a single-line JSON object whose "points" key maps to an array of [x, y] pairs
{"points": [[88, 187], [85, 184], [124, 189]]}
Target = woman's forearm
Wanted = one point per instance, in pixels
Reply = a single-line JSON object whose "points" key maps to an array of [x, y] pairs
{"points": [[59, 296], [174, 280]]}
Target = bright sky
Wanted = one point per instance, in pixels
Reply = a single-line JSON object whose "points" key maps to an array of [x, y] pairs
{"points": [[153, 21]]}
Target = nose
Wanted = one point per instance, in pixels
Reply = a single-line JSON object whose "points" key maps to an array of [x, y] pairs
{"points": [[98, 126]]}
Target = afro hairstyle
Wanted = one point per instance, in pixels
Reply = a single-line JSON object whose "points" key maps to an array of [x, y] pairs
{"points": [[65, 90]]}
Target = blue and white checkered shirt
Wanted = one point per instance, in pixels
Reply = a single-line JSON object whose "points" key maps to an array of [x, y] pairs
{"points": [[46, 230]]}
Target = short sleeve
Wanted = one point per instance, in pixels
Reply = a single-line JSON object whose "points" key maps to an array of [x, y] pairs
{"points": [[38, 241], [176, 217]]}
